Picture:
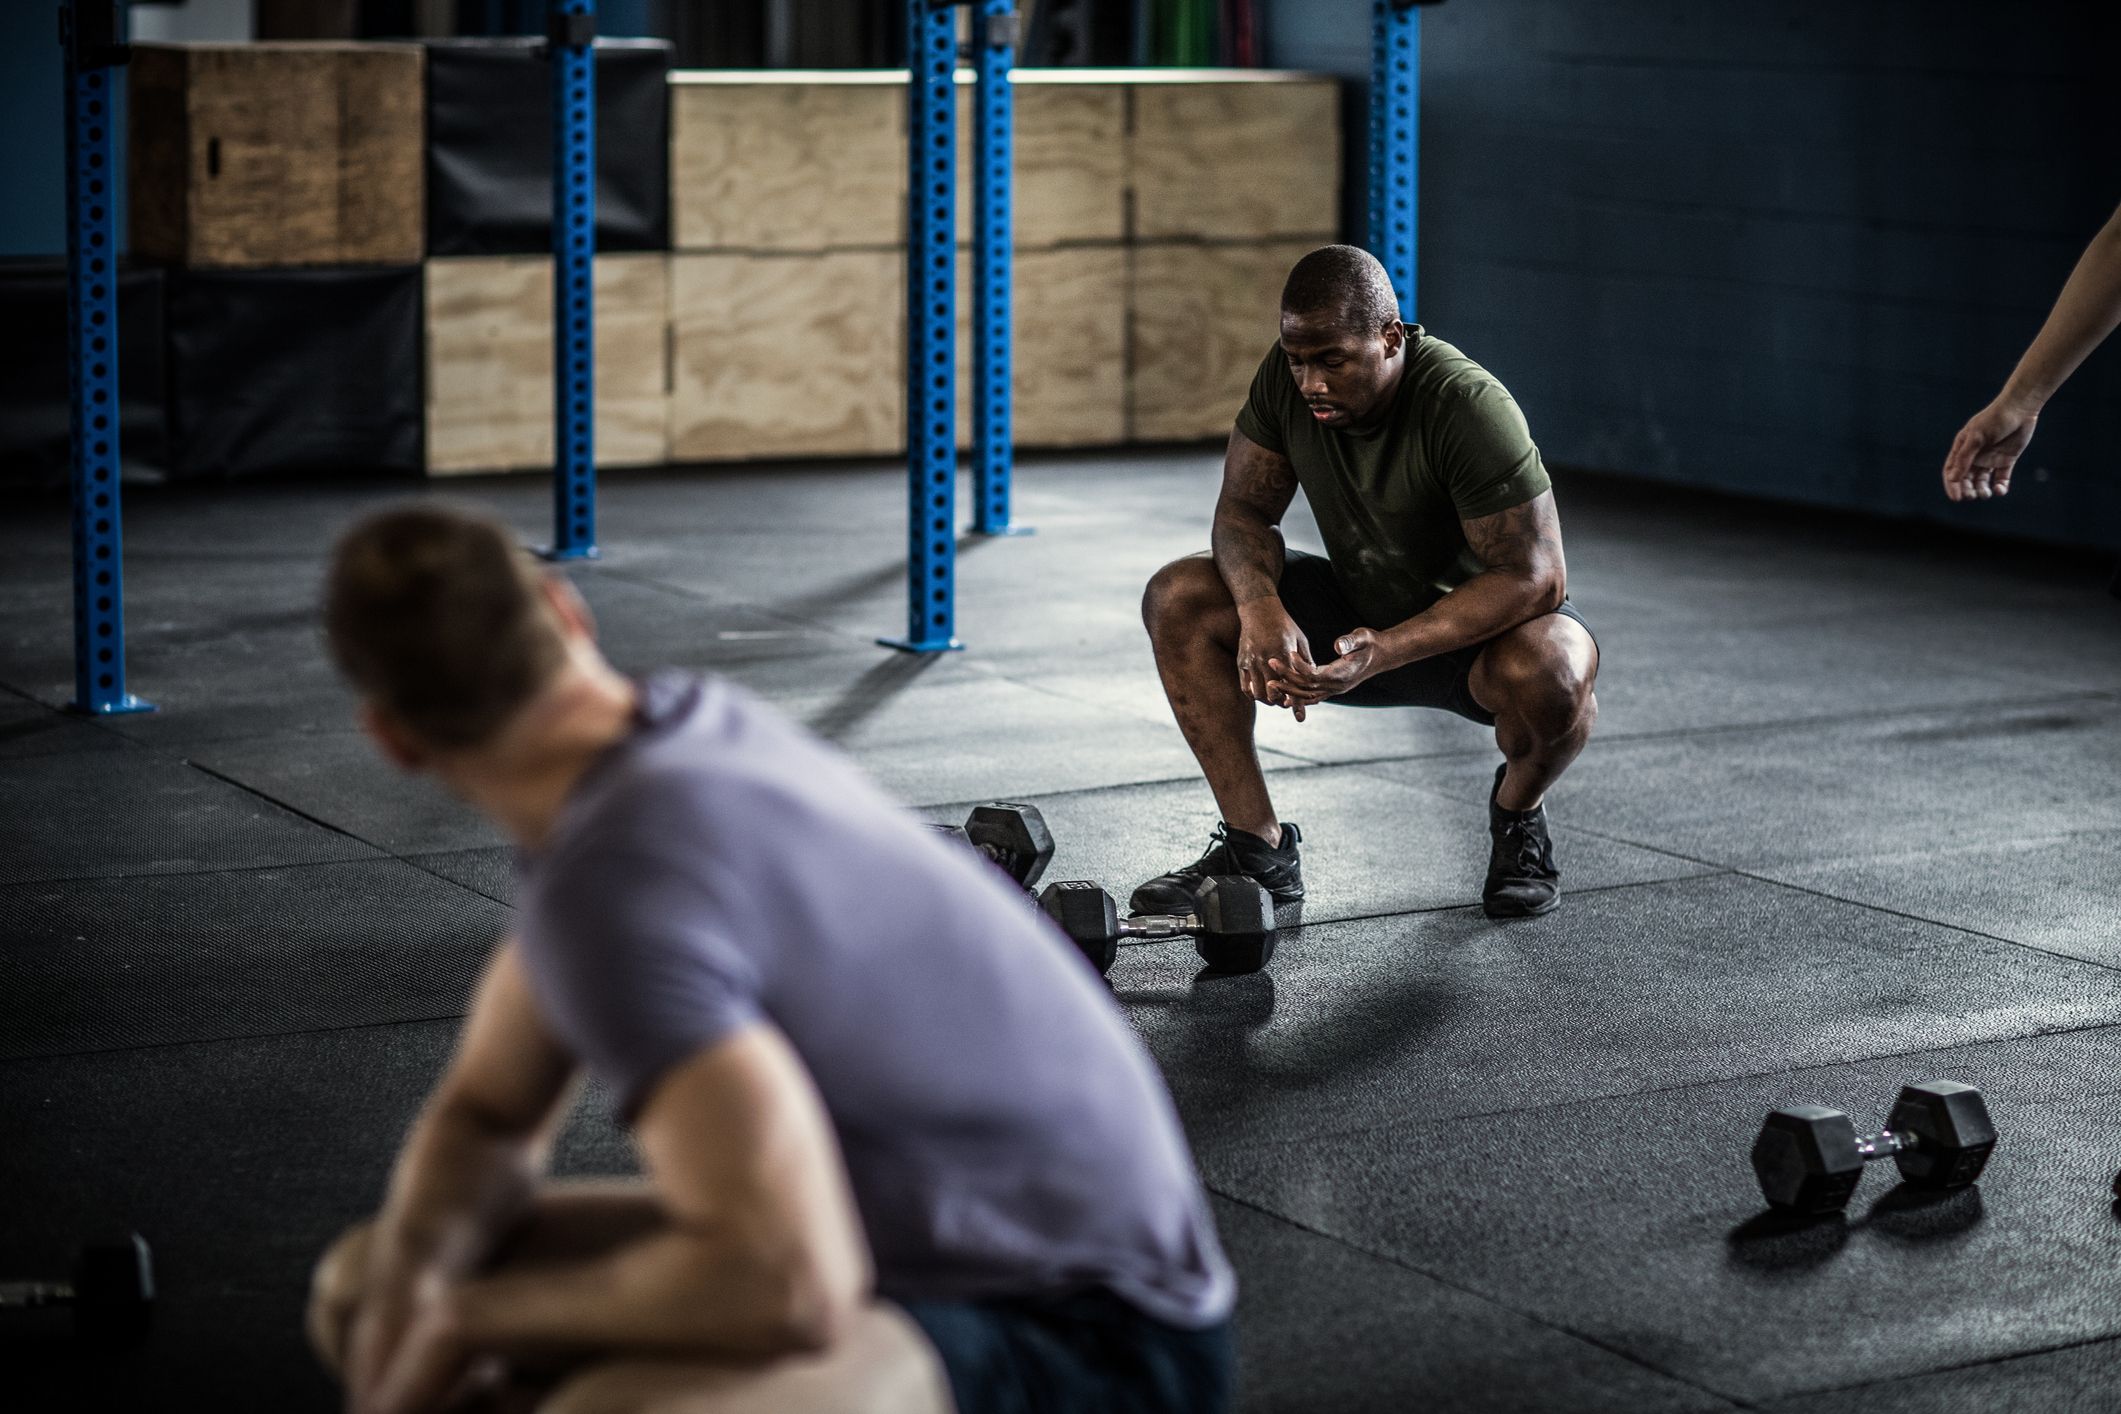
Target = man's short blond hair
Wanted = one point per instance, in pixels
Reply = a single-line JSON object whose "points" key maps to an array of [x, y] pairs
{"points": [[437, 617]]}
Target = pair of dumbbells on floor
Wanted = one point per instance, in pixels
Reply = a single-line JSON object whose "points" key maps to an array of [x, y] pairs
{"points": [[1232, 923], [1809, 1158], [111, 1293]]}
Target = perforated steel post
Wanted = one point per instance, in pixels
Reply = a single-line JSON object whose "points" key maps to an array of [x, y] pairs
{"points": [[1395, 144], [92, 40], [572, 36], [931, 315], [993, 454]]}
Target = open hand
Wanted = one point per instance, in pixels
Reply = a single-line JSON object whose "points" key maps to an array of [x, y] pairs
{"points": [[1301, 683], [1986, 449]]}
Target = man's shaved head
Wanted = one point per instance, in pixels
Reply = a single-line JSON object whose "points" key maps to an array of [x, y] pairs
{"points": [[1340, 287]]}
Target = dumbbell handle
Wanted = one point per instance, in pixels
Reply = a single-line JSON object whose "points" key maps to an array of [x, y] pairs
{"points": [[1160, 925], [36, 1293], [1885, 1143]]}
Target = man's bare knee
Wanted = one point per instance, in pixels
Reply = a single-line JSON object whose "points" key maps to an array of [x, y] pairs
{"points": [[334, 1291], [1183, 593], [882, 1364]]}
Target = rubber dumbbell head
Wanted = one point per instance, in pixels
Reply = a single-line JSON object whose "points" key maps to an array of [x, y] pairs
{"points": [[1014, 836], [111, 1293], [1088, 915], [1237, 929]]}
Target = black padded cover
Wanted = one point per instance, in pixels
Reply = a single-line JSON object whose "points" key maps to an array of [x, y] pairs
{"points": [[275, 371], [489, 146], [33, 393]]}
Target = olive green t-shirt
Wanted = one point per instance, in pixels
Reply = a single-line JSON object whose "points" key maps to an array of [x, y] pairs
{"points": [[1389, 501]]}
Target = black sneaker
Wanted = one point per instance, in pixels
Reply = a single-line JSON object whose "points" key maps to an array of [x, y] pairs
{"points": [[1230, 851], [1522, 879]]}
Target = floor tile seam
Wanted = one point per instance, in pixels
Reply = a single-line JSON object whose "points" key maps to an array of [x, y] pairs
{"points": [[1679, 1087], [98, 720], [1474, 1293], [1776, 724], [341, 831], [230, 1039], [1964, 1366], [1903, 914], [377, 857]]}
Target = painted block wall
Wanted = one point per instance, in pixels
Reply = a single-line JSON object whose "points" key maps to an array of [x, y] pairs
{"points": [[1781, 248]]}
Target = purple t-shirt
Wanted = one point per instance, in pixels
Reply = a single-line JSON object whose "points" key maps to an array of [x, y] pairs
{"points": [[1005, 1131]]}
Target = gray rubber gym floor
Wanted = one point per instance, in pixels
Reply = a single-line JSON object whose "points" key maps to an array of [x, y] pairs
{"points": [[1850, 819]]}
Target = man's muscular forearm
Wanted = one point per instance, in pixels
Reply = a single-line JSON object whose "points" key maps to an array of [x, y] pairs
{"points": [[1249, 554], [1484, 606], [1526, 576]]}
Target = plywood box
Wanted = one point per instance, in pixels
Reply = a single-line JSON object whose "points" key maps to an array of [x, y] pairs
{"points": [[1069, 159], [787, 355], [1203, 317], [261, 155], [1068, 363], [490, 363], [771, 163], [786, 166], [1244, 159]]}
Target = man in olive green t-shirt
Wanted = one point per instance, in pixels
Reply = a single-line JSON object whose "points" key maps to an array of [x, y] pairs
{"points": [[1443, 583]]}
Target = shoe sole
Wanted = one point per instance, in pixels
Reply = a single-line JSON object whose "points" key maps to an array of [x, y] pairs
{"points": [[1548, 907]]}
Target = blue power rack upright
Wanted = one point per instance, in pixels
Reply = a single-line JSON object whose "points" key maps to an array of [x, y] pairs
{"points": [[931, 319], [1395, 140], [994, 38], [92, 39], [571, 34]]}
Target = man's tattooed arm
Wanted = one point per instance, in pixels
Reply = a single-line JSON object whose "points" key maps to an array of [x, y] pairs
{"points": [[1525, 575], [1258, 486]]}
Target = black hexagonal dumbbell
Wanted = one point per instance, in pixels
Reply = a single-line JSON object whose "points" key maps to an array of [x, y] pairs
{"points": [[1014, 837], [1232, 925], [1808, 1158], [111, 1292]]}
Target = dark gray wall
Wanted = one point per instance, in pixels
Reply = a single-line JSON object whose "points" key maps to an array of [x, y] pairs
{"points": [[1783, 247]]}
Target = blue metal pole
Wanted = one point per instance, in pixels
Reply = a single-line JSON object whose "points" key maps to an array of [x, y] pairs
{"points": [[572, 34], [994, 47], [90, 34], [1395, 143], [931, 316]]}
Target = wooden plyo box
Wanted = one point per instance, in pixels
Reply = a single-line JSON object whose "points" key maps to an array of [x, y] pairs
{"points": [[806, 162], [1204, 316], [259, 155], [787, 355], [787, 162], [1243, 157], [490, 366], [1069, 164], [1068, 360]]}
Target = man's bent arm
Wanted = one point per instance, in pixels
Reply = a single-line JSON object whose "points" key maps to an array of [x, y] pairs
{"points": [[477, 1150], [1258, 486], [1526, 576], [764, 1254]]}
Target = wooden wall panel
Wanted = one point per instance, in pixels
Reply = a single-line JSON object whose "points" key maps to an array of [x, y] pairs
{"points": [[799, 166], [1239, 160], [1070, 162], [787, 355], [1202, 318], [1069, 364], [489, 362], [288, 154]]}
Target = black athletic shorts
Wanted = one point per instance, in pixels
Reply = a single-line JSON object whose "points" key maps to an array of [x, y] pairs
{"points": [[1085, 1353], [1312, 596]]}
